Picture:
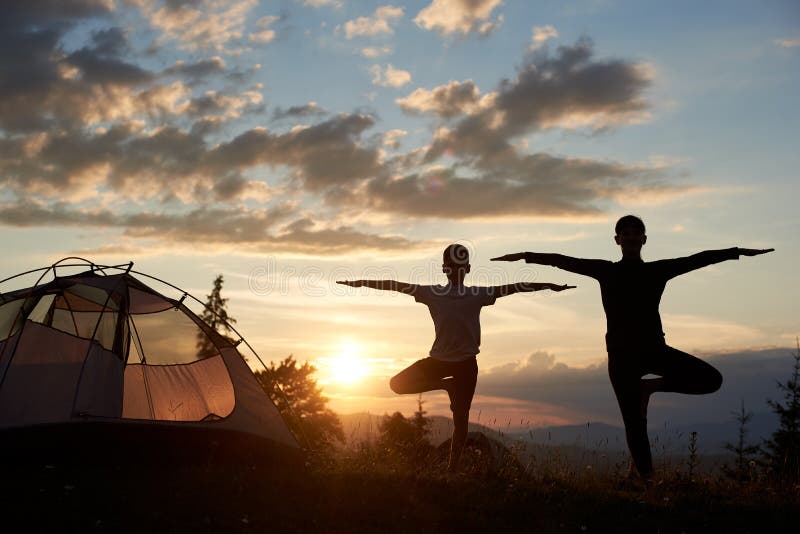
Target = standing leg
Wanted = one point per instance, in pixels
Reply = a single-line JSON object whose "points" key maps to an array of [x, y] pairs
{"points": [[462, 389], [626, 381], [460, 426], [679, 373]]}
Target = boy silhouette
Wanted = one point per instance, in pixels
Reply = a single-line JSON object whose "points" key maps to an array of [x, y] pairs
{"points": [[455, 310], [631, 290]]}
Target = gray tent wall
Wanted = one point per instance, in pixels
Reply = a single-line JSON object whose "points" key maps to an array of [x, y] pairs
{"points": [[51, 376]]}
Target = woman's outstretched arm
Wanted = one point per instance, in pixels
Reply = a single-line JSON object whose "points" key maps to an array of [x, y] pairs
{"points": [[679, 266], [582, 266], [526, 287], [386, 285]]}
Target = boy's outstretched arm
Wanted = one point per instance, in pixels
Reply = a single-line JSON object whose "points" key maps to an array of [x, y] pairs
{"points": [[568, 263], [526, 287], [387, 285], [679, 266]]}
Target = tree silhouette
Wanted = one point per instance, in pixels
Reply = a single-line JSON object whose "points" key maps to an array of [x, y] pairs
{"points": [[295, 392], [216, 316], [406, 438], [782, 452], [744, 453], [420, 422]]}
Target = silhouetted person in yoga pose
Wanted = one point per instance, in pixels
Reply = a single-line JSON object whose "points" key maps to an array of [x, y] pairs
{"points": [[631, 291], [455, 310]]}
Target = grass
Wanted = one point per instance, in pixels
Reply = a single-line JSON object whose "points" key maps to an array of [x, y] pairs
{"points": [[368, 490]]}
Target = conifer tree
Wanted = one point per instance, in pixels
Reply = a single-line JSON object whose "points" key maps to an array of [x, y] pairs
{"points": [[300, 400], [420, 422], [782, 452], [215, 315], [743, 452], [406, 437]]}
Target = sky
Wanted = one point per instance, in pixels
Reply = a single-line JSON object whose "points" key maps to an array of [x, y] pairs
{"points": [[290, 144]]}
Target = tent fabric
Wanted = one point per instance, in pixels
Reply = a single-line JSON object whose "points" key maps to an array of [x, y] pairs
{"points": [[95, 347], [39, 384], [190, 392], [248, 412]]}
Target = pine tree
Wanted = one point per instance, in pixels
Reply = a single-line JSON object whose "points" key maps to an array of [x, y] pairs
{"points": [[407, 438], [420, 422], [295, 392], [744, 453], [782, 453], [216, 316]]}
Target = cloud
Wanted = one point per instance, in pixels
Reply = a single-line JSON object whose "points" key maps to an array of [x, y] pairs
{"points": [[378, 23], [320, 3], [540, 34], [533, 186], [124, 158], [389, 76], [392, 138], [570, 90], [101, 63], [89, 121], [197, 71], [113, 249], [169, 161], [264, 34], [216, 105], [446, 101], [201, 24], [49, 13], [323, 155], [460, 17], [301, 236], [297, 112], [787, 43], [43, 86], [247, 230], [586, 392], [372, 52], [489, 176], [48, 88]]}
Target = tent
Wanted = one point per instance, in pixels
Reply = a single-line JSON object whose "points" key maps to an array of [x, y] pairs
{"points": [[101, 349]]}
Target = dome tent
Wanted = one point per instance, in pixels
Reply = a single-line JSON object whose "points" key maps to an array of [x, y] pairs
{"points": [[102, 349]]}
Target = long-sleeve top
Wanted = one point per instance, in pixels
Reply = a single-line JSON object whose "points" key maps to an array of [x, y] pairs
{"points": [[631, 290]]}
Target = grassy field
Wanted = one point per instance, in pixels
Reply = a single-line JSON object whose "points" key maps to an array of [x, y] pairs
{"points": [[364, 492]]}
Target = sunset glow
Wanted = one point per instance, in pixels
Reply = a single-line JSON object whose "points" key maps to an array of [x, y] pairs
{"points": [[348, 366], [290, 145]]}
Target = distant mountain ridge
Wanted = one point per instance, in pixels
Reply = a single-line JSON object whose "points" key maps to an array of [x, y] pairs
{"points": [[711, 437]]}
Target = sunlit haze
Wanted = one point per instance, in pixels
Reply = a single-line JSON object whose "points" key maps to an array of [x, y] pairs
{"points": [[347, 366], [288, 145]]}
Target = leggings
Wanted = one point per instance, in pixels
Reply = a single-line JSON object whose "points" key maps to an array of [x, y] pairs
{"points": [[457, 378], [680, 372]]}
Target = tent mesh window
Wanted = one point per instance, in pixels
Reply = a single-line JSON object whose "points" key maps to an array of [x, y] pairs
{"points": [[108, 346], [171, 357]]}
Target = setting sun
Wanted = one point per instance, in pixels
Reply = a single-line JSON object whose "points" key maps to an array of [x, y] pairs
{"points": [[348, 366]]}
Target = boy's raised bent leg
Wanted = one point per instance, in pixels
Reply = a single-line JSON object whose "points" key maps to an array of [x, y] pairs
{"points": [[423, 375], [457, 378]]}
